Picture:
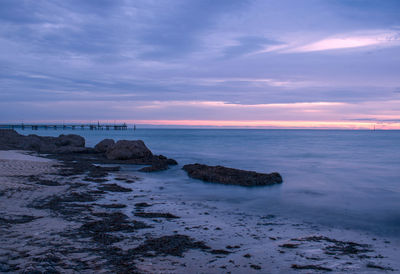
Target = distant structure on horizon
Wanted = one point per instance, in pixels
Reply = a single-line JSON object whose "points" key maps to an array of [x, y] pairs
{"points": [[97, 126]]}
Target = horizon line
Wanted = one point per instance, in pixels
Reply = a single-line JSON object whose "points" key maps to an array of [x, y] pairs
{"points": [[257, 124]]}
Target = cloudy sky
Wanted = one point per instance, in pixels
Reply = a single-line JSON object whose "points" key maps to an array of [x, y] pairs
{"points": [[268, 63]]}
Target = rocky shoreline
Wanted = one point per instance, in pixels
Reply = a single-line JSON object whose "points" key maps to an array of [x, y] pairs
{"points": [[82, 213], [72, 148], [91, 227]]}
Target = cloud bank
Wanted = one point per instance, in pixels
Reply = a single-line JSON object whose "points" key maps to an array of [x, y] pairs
{"points": [[294, 62]]}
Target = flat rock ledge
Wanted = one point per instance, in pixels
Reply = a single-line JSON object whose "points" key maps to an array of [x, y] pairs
{"points": [[231, 176]]}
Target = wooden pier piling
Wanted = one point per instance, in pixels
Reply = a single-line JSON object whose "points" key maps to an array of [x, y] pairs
{"points": [[97, 126]]}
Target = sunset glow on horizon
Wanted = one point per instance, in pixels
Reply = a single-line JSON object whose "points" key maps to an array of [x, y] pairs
{"points": [[274, 124], [259, 124]]}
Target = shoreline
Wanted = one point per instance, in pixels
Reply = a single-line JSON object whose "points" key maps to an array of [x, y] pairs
{"points": [[69, 219]]}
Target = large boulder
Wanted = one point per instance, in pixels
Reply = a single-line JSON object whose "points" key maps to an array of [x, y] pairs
{"points": [[8, 134], [231, 176], [72, 140], [9, 139], [126, 150], [38, 143], [104, 145]]}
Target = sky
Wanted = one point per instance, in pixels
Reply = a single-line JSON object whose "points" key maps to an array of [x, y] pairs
{"points": [[267, 63]]}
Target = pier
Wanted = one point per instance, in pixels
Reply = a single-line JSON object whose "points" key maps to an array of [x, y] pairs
{"points": [[97, 126]]}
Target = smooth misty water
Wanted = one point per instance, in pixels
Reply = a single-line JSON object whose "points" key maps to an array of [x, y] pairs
{"points": [[347, 179]]}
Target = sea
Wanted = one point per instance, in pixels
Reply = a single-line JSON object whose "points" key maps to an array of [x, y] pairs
{"points": [[346, 179]]}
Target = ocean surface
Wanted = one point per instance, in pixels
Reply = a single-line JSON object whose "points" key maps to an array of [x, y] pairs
{"points": [[336, 178]]}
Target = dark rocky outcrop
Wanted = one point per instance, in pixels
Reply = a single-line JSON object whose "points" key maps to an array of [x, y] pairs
{"points": [[10, 139], [156, 215], [114, 188], [70, 140], [310, 267], [132, 152], [70, 147], [104, 145], [231, 176], [159, 163], [125, 150], [155, 167], [174, 245]]}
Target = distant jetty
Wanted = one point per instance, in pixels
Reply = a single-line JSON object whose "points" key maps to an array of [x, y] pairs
{"points": [[97, 126]]}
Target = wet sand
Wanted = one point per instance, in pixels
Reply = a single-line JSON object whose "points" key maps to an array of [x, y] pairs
{"points": [[69, 216]]}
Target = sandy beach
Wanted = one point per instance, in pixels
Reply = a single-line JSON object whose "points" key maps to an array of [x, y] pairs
{"points": [[15, 165], [63, 216]]}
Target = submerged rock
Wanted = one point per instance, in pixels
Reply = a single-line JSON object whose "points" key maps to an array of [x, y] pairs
{"points": [[159, 163], [154, 168], [156, 215], [231, 176], [174, 245], [311, 267], [114, 188]]}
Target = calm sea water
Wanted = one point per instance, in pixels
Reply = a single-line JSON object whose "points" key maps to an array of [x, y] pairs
{"points": [[348, 179]]}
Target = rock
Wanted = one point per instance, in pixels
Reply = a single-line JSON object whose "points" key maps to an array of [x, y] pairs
{"points": [[169, 161], [231, 176], [174, 245], [313, 267], [156, 215], [154, 168], [104, 145], [159, 163], [71, 149], [108, 152], [10, 139], [125, 150], [114, 188], [141, 205], [289, 245], [70, 140], [36, 143], [8, 134]]}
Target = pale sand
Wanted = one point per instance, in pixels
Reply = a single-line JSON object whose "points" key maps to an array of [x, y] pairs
{"points": [[22, 156], [16, 163]]}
